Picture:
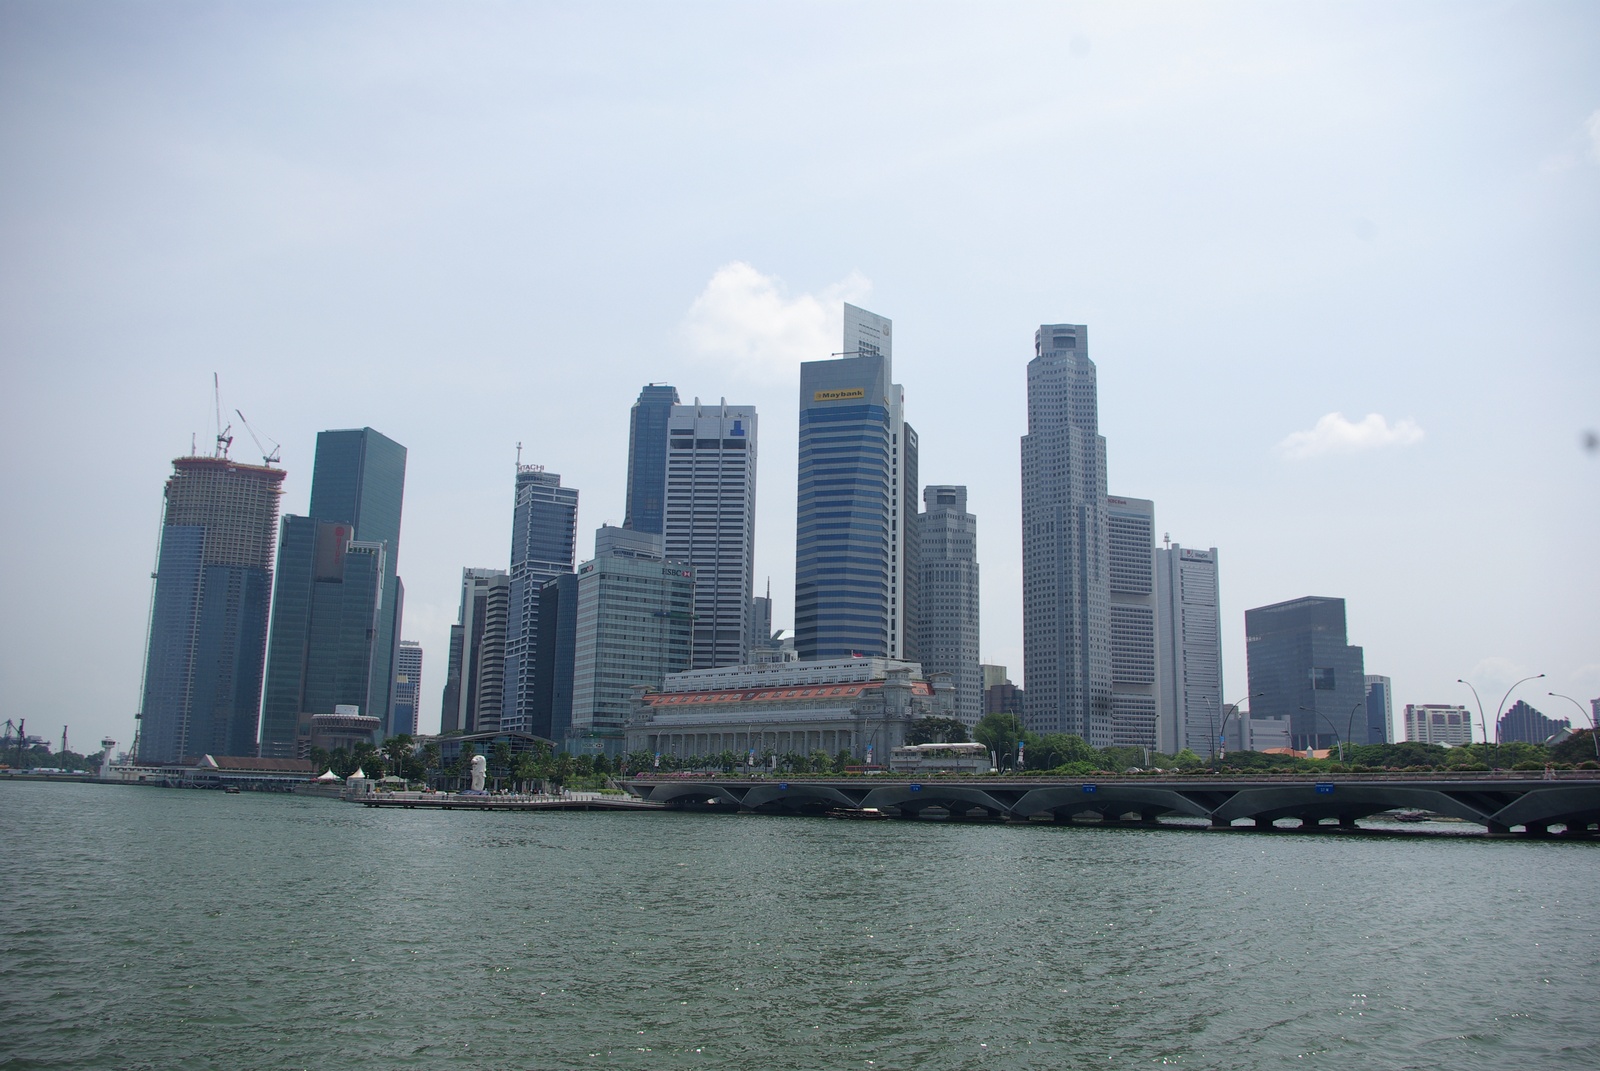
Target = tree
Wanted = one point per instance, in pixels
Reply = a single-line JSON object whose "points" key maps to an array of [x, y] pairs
{"points": [[502, 760], [1579, 747], [936, 730], [431, 758], [821, 761], [1052, 750], [398, 749], [1187, 760], [1001, 733]]}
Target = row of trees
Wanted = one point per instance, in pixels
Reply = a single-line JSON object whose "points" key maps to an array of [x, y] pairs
{"points": [[1064, 753]]}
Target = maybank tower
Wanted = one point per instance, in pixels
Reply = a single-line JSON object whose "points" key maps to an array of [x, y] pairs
{"points": [[855, 589]]}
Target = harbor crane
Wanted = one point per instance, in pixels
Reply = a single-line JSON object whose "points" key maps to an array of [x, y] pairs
{"points": [[224, 440]]}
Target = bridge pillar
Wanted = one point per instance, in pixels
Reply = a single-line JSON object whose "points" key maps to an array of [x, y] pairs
{"points": [[1537, 829], [1498, 829], [1347, 821]]}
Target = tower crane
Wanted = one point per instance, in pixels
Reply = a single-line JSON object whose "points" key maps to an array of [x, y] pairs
{"points": [[224, 440], [268, 459]]}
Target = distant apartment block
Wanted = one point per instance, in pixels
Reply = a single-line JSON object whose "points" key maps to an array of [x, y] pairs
{"points": [[1438, 723]]}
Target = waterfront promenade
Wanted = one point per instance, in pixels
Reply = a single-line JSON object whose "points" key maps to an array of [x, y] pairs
{"points": [[1502, 803]]}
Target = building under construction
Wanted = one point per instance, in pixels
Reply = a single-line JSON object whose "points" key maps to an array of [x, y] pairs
{"points": [[208, 616]]}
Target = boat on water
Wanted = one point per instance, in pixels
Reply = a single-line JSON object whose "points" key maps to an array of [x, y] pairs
{"points": [[1411, 816], [857, 814]]}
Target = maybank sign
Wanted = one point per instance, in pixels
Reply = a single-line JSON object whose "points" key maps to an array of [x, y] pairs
{"points": [[839, 395]]}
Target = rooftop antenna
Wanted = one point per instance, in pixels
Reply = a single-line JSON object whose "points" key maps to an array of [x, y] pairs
{"points": [[267, 459], [1166, 539], [224, 440], [519, 455]]}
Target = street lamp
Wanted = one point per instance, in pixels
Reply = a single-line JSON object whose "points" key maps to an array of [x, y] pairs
{"points": [[1217, 747], [1331, 725], [1481, 719], [1501, 710], [1593, 734]]}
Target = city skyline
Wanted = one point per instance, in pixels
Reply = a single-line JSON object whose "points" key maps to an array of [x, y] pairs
{"points": [[1337, 262]]}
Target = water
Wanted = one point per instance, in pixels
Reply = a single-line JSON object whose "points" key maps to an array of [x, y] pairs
{"points": [[154, 928]]}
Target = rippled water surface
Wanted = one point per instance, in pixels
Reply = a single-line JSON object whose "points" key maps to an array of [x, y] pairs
{"points": [[155, 928]]}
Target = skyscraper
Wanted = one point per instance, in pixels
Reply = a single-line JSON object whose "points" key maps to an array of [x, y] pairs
{"points": [[208, 615], [947, 638], [543, 543], [710, 522], [407, 687], [480, 631], [633, 626], [851, 538], [1302, 669], [647, 458], [1131, 526], [1065, 548], [360, 479], [1189, 618], [336, 598], [1380, 709]]}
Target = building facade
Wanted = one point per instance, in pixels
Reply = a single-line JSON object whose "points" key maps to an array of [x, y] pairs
{"points": [[1135, 694], [1066, 596], [645, 510], [856, 499], [337, 599], [948, 632], [1189, 621], [544, 540], [1438, 723], [1525, 724], [360, 479], [553, 659], [862, 706], [1301, 668], [479, 636], [710, 522], [208, 617], [1380, 709], [407, 687], [634, 626]]}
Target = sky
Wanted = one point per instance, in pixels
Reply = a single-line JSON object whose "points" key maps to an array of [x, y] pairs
{"points": [[1339, 263]]}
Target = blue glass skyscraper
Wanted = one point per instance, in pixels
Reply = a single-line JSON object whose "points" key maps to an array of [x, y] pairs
{"points": [[647, 458], [847, 488], [337, 601]]}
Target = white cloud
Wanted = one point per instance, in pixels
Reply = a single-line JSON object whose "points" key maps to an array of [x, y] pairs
{"points": [[748, 324], [1336, 435]]}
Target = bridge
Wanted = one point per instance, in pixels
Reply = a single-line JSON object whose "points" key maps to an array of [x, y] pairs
{"points": [[1502, 803]]}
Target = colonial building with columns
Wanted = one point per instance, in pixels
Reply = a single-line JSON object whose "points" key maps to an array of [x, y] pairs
{"points": [[860, 705]]}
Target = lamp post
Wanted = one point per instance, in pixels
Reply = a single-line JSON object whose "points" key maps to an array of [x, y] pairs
{"points": [[1350, 726], [1217, 747], [1331, 725], [1594, 736], [1501, 710], [1481, 720]]}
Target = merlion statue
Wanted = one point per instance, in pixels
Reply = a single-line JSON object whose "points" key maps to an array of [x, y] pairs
{"points": [[478, 764]]}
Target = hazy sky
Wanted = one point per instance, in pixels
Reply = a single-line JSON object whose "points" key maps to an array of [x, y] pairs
{"points": [[1340, 266]]}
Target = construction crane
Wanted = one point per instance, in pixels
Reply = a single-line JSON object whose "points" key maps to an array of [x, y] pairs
{"points": [[63, 740], [268, 459], [224, 440]]}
